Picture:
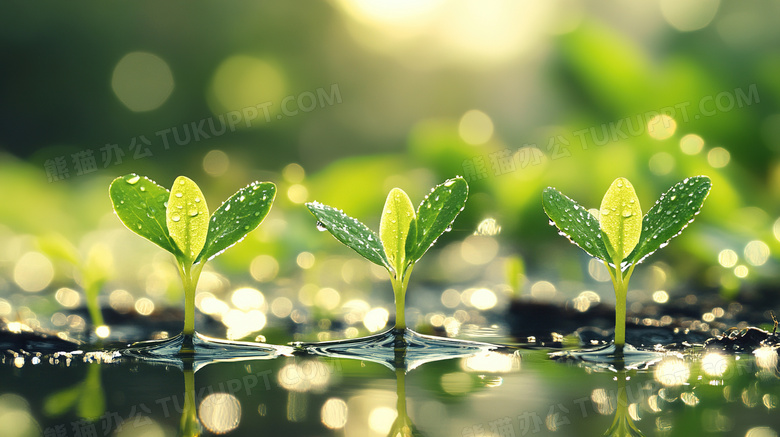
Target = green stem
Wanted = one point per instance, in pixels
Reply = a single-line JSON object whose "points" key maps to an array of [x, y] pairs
{"points": [[93, 305], [620, 284], [189, 275], [400, 282]]}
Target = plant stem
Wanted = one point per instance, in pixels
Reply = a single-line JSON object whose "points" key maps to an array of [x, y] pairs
{"points": [[189, 276], [620, 284], [400, 282]]}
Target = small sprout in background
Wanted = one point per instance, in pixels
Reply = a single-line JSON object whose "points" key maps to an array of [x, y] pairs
{"points": [[619, 236], [515, 275], [404, 234], [178, 221], [93, 270]]}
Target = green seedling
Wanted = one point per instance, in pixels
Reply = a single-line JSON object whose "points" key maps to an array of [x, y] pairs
{"points": [[178, 221], [94, 269], [619, 236], [404, 234]]}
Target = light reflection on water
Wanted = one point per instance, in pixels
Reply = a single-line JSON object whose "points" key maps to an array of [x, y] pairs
{"points": [[479, 395]]}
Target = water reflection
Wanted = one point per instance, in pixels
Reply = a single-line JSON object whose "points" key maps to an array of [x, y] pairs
{"points": [[86, 398], [623, 424], [402, 425], [189, 426], [381, 348]]}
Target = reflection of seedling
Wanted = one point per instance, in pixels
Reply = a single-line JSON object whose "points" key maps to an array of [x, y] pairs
{"points": [[404, 236], [178, 221], [623, 424], [619, 236], [86, 397]]}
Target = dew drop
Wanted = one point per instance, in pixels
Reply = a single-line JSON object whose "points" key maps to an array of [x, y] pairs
{"points": [[175, 217], [178, 195], [448, 228], [321, 227], [551, 223], [627, 213], [143, 188], [193, 213], [241, 199], [197, 200], [227, 207], [133, 180], [181, 182], [139, 226], [620, 184], [257, 214], [605, 211]]}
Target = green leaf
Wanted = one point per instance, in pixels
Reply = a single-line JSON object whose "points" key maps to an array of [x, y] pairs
{"points": [[620, 218], [669, 216], [575, 223], [397, 216], [437, 212], [351, 232], [140, 204], [187, 217], [240, 214]]}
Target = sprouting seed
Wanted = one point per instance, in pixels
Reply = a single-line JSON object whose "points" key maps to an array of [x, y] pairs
{"points": [[621, 241], [404, 234], [189, 234]]}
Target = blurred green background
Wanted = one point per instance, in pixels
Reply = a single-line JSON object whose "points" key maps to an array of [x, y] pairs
{"points": [[341, 101]]}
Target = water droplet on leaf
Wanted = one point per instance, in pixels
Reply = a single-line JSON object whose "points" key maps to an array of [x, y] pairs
{"points": [[321, 227], [175, 217], [134, 179]]}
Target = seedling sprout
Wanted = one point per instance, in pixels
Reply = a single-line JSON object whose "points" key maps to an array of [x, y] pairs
{"points": [[178, 221], [404, 234], [619, 236]]}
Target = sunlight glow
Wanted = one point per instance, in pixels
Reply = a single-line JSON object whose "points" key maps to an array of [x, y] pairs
{"points": [[672, 372], [334, 413], [220, 413]]}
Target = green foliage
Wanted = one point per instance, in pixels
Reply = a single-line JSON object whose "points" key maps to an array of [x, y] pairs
{"points": [[241, 213], [350, 232], [404, 236], [436, 214], [394, 226], [187, 217], [575, 223], [415, 233], [670, 215], [619, 217], [178, 221], [618, 237], [141, 205]]}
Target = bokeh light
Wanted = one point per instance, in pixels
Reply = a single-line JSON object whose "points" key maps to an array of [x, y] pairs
{"points": [[220, 413], [142, 81], [475, 127]]}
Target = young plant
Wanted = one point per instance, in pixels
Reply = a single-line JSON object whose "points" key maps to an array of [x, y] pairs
{"points": [[178, 221], [404, 235], [619, 236]]}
